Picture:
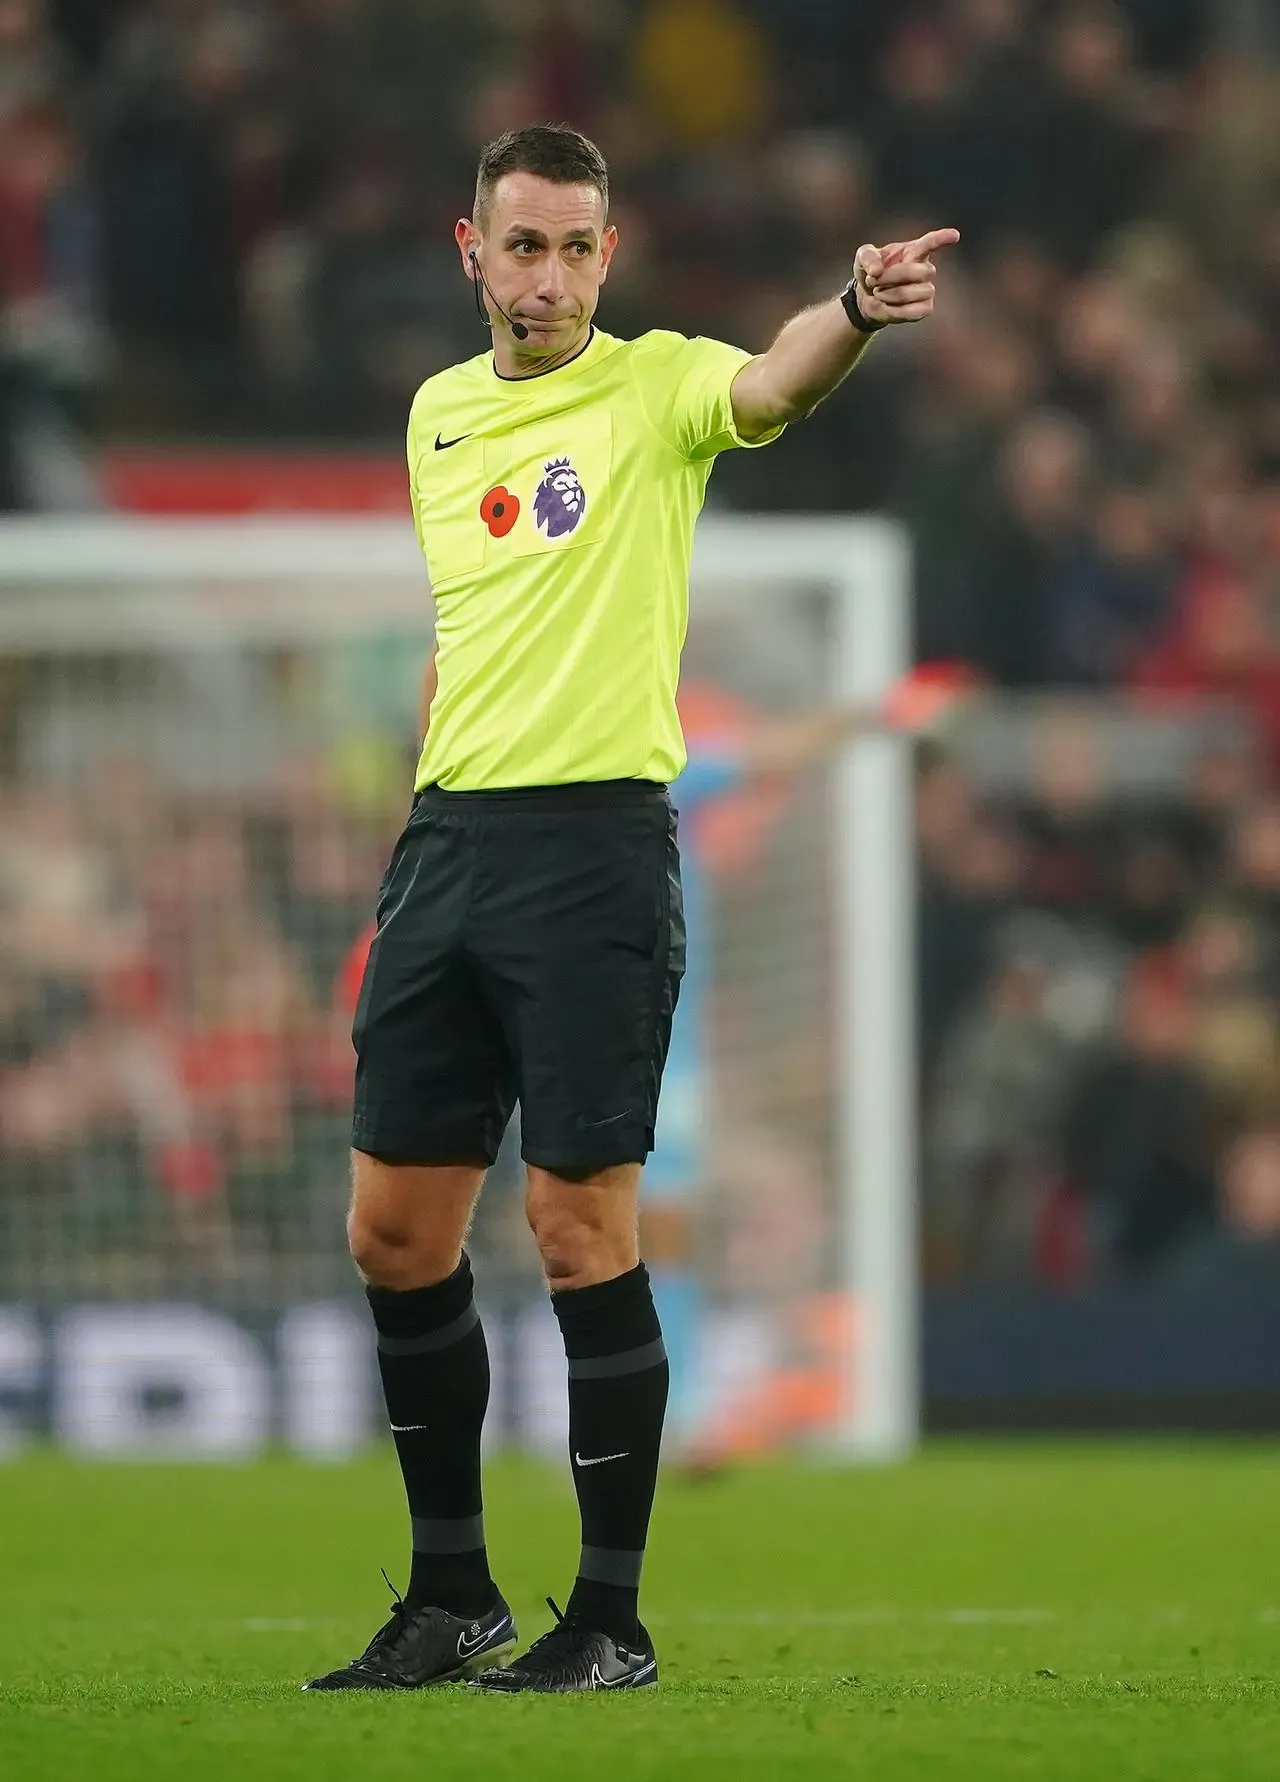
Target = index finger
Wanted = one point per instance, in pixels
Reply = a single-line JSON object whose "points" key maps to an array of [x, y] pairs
{"points": [[922, 247]]}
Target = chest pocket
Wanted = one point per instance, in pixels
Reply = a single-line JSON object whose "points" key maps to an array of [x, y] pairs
{"points": [[561, 471], [451, 486]]}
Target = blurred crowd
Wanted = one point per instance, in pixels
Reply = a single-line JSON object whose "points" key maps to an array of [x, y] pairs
{"points": [[232, 219], [1100, 1016], [175, 1009]]}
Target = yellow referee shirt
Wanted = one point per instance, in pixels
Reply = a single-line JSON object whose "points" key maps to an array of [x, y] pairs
{"points": [[556, 514]]}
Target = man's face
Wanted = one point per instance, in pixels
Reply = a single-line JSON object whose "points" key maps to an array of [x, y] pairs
{"points": [[544, 251]]}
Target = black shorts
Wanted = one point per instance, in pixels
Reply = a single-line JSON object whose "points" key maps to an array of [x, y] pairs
{"points": [[529, 947]]}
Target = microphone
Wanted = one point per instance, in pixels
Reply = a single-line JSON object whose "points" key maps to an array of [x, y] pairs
{"points": [[517, 328]]}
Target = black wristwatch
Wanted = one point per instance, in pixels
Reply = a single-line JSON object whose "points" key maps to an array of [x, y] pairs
{"points": [[849, 298]]}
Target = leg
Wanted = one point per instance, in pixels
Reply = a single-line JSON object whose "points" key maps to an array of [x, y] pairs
{"points": [[433, 1094], [584, 1223], [434, 1090], [406, 1227], [582, 969]]}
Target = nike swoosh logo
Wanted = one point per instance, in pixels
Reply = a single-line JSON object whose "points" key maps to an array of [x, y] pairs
{"points": [[467, 1646], [407, 1428], [591, 1125], [442, 445], [599, 1459], [599, 1682]]}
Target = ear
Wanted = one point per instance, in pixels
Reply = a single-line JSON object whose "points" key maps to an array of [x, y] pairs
{"points": [[467, 237], [608, 242]]}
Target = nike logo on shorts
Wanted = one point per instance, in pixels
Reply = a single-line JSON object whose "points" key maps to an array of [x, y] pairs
{"points": [[599, 1459], [591, 1125]]}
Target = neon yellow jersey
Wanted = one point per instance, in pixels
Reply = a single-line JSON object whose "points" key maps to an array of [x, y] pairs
{"points": [[556, 514]]}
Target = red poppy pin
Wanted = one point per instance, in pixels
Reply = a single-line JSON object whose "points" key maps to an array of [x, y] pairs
{"points": [[500, 510]]}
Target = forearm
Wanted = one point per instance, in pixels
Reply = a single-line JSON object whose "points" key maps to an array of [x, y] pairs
{"points": [[818, 348], [813, 354], [788, 745]]}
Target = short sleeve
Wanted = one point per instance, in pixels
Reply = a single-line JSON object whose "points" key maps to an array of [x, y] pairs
{"points": [[685, 386]]}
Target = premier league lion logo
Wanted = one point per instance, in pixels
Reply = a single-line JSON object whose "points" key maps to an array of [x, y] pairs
{"points": [[560, 500]]}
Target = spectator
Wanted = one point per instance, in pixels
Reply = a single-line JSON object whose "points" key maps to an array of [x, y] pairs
{"points": [[1116, 589], [995, 1114], [678, 41], [1032, 532], [1137, 1132]]}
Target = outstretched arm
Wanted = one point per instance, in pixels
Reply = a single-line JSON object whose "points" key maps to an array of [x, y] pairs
{"points": [[818, 348], [922, 702], [788, 745]]}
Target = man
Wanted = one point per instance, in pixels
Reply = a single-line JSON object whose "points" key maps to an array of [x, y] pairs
{"points": [[530, 940]]}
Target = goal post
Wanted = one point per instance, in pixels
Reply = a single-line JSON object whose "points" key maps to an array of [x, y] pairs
{"points": [[89, 591], [864, 565]]}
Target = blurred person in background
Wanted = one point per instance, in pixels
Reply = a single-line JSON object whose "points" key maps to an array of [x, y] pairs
{"points": [[771, 752], [49, 347], [1138, 1134], [1115, 590], [995, 1105], [970, 865], [1031, 531]]}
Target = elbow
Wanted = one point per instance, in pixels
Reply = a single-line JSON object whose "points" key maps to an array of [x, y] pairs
{"points": [[765, 422], [798, 408]]}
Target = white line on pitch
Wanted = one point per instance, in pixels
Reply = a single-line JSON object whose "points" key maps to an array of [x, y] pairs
{"points": [[857, 1617]]}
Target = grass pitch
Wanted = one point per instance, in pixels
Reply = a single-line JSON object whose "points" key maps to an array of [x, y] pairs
{"points": [[1051, 1611]]}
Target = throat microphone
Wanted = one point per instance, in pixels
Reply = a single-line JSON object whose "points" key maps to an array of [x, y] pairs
{"points": [[517, 328]]}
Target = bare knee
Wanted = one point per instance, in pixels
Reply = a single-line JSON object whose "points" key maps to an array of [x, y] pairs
{"points": [[394, 1255], [408, 1223], [585, 1229]]}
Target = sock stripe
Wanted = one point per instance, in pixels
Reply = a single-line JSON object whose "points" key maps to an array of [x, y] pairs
{"points": [[448, 1534], [443, 1338], [611, 1565], [626, 1361]]}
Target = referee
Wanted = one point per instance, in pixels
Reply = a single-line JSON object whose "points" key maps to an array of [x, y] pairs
{"points": [[530, 937]]}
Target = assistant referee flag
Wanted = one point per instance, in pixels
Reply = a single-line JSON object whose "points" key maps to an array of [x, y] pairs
{"points": [[556, 514]]}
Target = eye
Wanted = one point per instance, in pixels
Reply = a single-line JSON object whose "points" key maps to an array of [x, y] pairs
{"points": [[524, 248]]}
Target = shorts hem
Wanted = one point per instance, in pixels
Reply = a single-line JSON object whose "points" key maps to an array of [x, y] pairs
{"points": [[421, 1148], [578, 1156]]}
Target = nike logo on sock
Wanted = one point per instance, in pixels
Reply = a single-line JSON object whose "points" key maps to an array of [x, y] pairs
{"points": [[599, 1459], [407, 1428]]}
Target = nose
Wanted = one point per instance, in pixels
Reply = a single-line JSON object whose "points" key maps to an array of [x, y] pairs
{"points": [[551, 282]]}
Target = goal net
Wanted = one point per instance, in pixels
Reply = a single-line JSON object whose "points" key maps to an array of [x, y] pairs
{"points": [[207, 741]]}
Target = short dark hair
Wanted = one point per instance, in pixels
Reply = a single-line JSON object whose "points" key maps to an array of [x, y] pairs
{"points": [[551, 151]]}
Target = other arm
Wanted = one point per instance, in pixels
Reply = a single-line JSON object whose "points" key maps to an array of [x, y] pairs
{"points": [[817, 349], [788, 745], [922, 702]]}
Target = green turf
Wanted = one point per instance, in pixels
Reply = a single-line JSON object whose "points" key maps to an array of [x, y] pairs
{"points": [[1043, 1612]]}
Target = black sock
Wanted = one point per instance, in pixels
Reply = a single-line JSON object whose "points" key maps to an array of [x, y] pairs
{"points": [[435, 1375], [618, 1379]]}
